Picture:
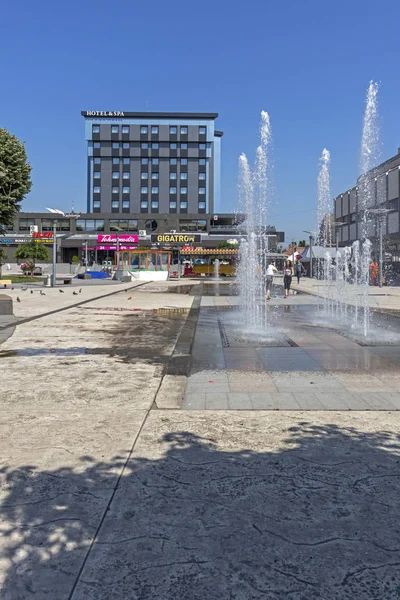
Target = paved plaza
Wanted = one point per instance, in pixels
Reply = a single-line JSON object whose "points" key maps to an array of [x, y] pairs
{"points": [[151, 450]]}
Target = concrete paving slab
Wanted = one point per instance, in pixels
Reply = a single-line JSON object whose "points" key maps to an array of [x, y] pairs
{"points": [[359, 381], [308, 401], [194, 401], [239, 401], [207, 387], [216, 401], [264, 401], [171, 392], [381, 400], [240, 381], [253, 505], [305, 381]]}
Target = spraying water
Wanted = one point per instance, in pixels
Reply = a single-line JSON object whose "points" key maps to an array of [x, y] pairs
{"points": [[216, 268], [324, 226], [253, 199]]}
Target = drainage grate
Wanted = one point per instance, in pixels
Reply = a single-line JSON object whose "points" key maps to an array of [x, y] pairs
{"points": [[231, 338]]}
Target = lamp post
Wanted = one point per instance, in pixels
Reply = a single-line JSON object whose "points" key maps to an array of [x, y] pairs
{"points": [[53, 282], [311, 256], [380, 213]]}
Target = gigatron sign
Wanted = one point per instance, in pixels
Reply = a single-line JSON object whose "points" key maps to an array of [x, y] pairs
{"points": [[175, 238]]}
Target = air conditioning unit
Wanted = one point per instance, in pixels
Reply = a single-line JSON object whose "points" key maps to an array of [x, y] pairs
{"points": [[173, 230], [142, 233]]}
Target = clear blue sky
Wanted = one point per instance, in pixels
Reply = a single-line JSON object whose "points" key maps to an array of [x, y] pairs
{"points": [[308, 63]]}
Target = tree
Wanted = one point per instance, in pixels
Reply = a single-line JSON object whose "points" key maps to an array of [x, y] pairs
{"points": [[302, 243], [15, 180], [32, 251], [3, 258]]}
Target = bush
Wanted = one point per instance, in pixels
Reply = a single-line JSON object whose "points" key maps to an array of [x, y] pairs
{"points": [[75, 259]]}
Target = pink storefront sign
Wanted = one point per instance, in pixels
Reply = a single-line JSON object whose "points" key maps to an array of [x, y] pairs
{"points": [[115, 247], [124, 238]]}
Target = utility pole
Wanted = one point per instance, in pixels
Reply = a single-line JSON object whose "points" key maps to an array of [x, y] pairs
{"points": [[117, 236], [86, 254], [53, 282]]}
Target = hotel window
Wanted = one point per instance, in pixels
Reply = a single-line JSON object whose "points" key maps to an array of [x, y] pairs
{"points": [[115, 190], [144, 146], [144, 189], [114, 129], [202, 175], [145, 161], [173, 161], [172, 204], [173, 146], [154, 129], [90, 225], [97, 160], [96, 145], [184, 161], [126, 161], [126, 175], [96, 189], [184, 146], [155, 161], [62, 225], [115, 145], [125, 145], [172, 175], [183, 204], [202, 162], [126, 189], [144, 204], [123, 224], [154, 146], [115, 175], [202, 205], [202, 130], [184, 130], [115, 161], [96, 204], [202, 146], [184, 176], [186, 225], [125, 128], [172, 190], [96, 175], [125, 203], [95, 128], [144, 175], [154, 189], [202, 191], [154, 175], [154, 204], [144, 129], [115, 204], [172, 130], [184, 191]]}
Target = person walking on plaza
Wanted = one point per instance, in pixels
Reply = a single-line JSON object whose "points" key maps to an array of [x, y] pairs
{"points": [[269, 278], [288, 273], [299, 270]]}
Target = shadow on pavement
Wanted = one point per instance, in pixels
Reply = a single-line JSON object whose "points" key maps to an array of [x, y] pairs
{"points": [[315, 518]]}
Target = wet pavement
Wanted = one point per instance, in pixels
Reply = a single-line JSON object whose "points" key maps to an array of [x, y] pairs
{"points": [[296, 363]]}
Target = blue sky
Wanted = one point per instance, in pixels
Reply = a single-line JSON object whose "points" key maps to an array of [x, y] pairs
{"points": [[307, 63]]}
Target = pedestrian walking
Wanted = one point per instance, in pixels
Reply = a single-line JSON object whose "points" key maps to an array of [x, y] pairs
{"points": [[287, 277], [269, 278], [299, 270]]}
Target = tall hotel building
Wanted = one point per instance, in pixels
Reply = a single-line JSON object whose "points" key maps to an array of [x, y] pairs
{"points": [[153, 163]]}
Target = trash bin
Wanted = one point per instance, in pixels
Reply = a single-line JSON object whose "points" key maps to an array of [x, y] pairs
{"points": [[47, 281]]}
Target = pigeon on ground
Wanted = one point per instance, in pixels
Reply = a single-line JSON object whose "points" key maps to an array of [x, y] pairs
{"points": [[75, 293], [42, 293], [61, 291], [18, 300], [12, 288], [31, 291], [24, 289], [130, 298], [80, 290]]}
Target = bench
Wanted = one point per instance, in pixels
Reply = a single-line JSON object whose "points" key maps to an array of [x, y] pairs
{"points": [[64, 278], [6, 282]]}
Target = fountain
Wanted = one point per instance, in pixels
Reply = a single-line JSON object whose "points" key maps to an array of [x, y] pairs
{"points": [[216, 268], [253, 197]]}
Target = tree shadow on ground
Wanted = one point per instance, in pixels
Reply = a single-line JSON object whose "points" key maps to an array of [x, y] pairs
{"points": [[315, 517]]}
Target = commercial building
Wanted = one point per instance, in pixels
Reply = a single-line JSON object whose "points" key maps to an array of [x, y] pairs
{"points": [[383, 191], [153, 162]]}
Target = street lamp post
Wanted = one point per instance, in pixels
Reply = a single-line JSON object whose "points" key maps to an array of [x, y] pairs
{"points": [[380, 213], [311, 256], [53, 282], [117, 237]]}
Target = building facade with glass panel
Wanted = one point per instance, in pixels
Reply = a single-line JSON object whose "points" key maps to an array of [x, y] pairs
{"points": [[152, 163]]}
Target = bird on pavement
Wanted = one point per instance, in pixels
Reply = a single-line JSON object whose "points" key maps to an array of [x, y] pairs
{"points": [[75, 293], [80, 290], [24, 289], [61, 291], [18, 300], [12, 288], [130, 298], [42, 293], [31, 291]]}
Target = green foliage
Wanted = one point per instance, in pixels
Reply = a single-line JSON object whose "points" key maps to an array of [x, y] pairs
{"points": [[227, 246], [15, 180], [3, 257], [34, 251], [75, 259], [302, 243]]}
